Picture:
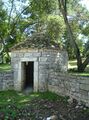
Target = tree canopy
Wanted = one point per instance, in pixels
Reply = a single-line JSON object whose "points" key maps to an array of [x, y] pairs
{"points": [[64, 21]]}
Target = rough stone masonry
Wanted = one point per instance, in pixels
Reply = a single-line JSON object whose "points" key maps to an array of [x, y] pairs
{"points": [[44, 60], [6, 80], [50, 74]]}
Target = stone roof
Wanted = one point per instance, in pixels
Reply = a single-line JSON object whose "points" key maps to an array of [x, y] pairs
{"points": [[37, 40]]}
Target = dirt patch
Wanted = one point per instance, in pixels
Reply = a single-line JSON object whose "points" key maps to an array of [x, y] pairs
{"points": [[43, 109]]}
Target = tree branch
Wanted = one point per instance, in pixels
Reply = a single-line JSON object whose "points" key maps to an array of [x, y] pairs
{"points": [[17, 18], [63, 9], [9, 19]]}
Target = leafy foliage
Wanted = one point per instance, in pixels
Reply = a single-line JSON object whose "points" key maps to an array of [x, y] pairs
{"points": [[35, 16], [55, 28], [73, 34]]}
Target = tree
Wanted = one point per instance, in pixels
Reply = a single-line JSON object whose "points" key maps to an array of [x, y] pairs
{"points": [[3, 29], [76, 31], [12, 26], [41, 12], [42, 16], [38, 12], [81, 65], [16, 24], [55, 28]]}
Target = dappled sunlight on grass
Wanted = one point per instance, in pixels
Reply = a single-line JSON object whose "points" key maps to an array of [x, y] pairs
{"points": [[20, 94], [84, 74], [29, 105], [7, 97], [24, 100], [19, 99], [34, 95], [72, 68], [5, 67], [72, 64]]}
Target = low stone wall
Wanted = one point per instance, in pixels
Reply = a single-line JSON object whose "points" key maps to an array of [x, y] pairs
{"points": [[74, 86], [6, 81], [61, 83]]}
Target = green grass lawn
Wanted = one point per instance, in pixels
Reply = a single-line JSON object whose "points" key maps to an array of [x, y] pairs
{"points": [[13, 103], [5, 67], [37, 106], [13, 97], [72, 67], [20, 99]]}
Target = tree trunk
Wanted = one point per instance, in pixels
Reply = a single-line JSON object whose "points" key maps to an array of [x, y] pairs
{"points": [[4, 48], [84, 64], [62, 7]]}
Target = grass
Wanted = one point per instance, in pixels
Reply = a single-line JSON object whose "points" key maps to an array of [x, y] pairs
{"points": [[5, 67], [52, 96], [82, 74], [20, 99], [11, 101], [13, 97], [72, 67], [17, 106]]}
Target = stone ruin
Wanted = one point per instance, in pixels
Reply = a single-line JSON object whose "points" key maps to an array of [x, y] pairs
{"points": [[33, 60], [41, 65]]}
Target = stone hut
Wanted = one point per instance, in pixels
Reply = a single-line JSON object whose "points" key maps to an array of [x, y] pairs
{"points": [[33, 60]]}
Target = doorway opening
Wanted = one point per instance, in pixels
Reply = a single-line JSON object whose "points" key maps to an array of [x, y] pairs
{"points": [[29, 75]]}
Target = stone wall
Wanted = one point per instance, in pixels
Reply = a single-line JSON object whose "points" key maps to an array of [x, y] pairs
{"points": [[44, 60], [6, 81], [74, 86], [49, 78]]}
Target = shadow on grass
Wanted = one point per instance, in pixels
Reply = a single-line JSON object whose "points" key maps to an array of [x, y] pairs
{"points": [[19, 99]]}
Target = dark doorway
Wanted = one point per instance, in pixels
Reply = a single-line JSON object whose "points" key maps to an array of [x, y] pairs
{"points": [[29, 75]]}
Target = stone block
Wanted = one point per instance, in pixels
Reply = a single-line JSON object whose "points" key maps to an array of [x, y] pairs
{"points": [[84, 81], [83, 92], [34, 59], [16, 66], [44, 53], [1, 78], [36, 54], [20, 55], [51, 60], [13, 55], [26, 55], [84, 87], [43, 59], [43, 71]]}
